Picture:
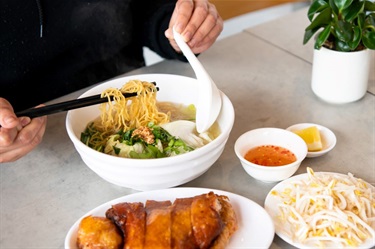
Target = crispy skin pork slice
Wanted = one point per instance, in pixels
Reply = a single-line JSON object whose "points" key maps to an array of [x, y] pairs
{"points": [[131, 218], [158, 225], [182, 236], [205, 219], [228, 216]]}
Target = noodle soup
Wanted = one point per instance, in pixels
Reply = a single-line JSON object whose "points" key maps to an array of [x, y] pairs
{"points": [[157, 173], [140, 127]]}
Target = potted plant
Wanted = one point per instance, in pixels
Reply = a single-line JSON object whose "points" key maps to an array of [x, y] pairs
{"points": [[344, 32]]}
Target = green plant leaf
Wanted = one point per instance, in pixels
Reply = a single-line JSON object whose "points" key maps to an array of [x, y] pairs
{"points": [[368, 39], [369, 22], [342, 4], [343, 25], [316, 7], [343, 31], [321, 20], [342, 46], [369, 6], [308, 34], [361, 20], [322, 37], [334, 7], [353, 44], [355, 9]]}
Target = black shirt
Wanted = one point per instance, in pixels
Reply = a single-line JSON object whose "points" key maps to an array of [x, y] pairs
{"points": [[51, 48]]}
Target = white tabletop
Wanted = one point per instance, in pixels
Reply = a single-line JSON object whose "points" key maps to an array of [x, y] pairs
{"points": [[266, 76]]}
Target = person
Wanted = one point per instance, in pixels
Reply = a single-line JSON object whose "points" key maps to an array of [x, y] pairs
{"points": [[49, 49]]}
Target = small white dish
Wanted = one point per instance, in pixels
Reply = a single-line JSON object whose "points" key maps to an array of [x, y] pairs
{"points": [[327, 136]]}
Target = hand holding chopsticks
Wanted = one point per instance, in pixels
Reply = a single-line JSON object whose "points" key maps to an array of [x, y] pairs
{"points": [[68, 105]]}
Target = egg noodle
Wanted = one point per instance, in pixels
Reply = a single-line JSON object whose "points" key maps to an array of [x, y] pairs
{"points": [[328, 210], [122, 114], [128, 113]]}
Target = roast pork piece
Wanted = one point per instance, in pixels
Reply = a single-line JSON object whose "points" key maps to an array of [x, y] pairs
{"points": [[204, 221]]}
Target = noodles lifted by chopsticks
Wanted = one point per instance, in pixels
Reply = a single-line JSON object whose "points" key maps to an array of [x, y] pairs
{"points": [[129, 113]]}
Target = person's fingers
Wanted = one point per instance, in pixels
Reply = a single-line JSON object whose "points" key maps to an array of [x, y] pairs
{"points": [[33, 133], [8, 136], [180, 17], [184, 11], [208, 40], [198, 22], [209, 30], [15, 154], [26, 139], [7, 117], [198, 17], [9, 124]]}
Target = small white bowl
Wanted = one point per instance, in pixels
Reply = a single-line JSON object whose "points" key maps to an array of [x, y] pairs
{"points": [[327, 136], [270, 136]]}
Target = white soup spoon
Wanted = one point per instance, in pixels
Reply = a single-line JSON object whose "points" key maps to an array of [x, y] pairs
{"points": [[209, 101]]}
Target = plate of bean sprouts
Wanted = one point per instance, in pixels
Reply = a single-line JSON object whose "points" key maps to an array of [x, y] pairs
{"points": [[323, 210]]}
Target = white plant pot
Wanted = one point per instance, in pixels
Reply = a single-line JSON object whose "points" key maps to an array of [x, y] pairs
{"points": [[340, 77]]}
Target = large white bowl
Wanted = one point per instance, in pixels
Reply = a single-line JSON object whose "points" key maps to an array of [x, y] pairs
{"points": [[270, 136], [149, 174]]}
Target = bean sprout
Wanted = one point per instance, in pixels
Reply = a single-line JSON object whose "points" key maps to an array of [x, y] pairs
{"points": [[328, 210]]}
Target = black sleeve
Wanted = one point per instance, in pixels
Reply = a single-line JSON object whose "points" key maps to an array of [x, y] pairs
{"points": [[155, 21]]}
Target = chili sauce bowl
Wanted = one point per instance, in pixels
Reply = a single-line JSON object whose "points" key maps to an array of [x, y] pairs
{"points": [[270, 137]]}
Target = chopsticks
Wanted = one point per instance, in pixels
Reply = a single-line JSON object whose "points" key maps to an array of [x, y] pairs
{"points": [[69, 105]]}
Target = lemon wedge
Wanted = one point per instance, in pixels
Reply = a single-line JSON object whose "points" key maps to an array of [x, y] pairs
{"points": [[311, 136]]}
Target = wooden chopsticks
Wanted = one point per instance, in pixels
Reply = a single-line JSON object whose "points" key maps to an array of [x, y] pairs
{"points": [[68, 105]]}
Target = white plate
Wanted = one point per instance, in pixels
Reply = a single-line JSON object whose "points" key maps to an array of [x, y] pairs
{"points": [[271, 206], [256, 229], [327, 136]]}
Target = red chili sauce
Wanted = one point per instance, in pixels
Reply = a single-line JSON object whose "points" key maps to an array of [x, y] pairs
{"points": [[270, 155]]}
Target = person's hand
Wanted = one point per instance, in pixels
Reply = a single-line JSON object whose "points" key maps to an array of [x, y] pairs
{"points": [[18, 136], [198, 22]]}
